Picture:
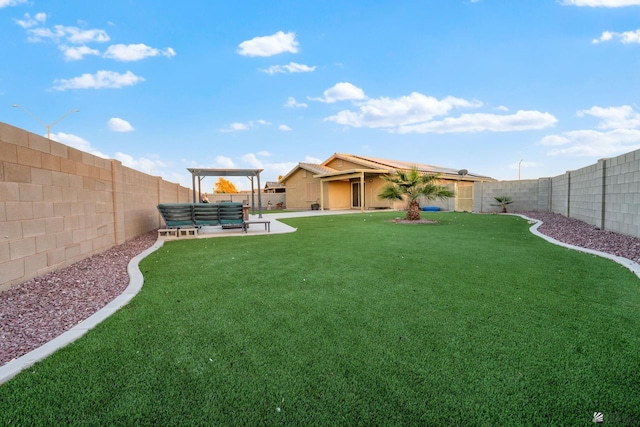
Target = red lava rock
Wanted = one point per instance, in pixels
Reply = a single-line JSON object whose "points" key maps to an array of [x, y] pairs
{"points": [[43, 308], [579, 233]]}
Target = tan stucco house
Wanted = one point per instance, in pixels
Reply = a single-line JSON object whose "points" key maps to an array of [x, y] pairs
{"points": [[348, 181]]}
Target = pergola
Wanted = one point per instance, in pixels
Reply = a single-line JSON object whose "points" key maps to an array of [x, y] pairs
{"points": [[201, 173]]}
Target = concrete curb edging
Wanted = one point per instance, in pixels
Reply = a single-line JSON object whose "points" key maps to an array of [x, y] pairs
{"points": [[625, 262], [14, 367]]}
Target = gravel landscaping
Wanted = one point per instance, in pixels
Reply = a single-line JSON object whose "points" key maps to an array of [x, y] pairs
{"points": [[43, 308]]}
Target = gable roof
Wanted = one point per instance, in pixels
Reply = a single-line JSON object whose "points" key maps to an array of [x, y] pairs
{"points": [[314, 168], [273, 184], [393, 165], [382, 166]]}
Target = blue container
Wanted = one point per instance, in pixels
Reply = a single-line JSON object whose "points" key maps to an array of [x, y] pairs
{"points": [[430, 208]]}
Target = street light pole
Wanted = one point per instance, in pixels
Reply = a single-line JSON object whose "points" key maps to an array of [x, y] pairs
{"points": [[519, 163], [75, 110]]}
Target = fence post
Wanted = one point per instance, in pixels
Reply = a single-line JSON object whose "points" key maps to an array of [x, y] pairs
{"points": [[568, 194], [603, 202]]}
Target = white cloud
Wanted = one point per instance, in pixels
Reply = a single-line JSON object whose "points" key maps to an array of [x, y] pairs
{"points": [[619, 135], [223, 162], [502, 108], [415, 113], [142, 164], [73, 35], [271, 170], [269, 45], [234, 127], [292, 67], [623, 117], [28, 21], [77, 142], [625, 37], [7, 3], [343, 91], [284, 128], [135, 52], [471, 123], [601, 3], [116, 124], [101, 79], [403, 111], [77, 53], [310, 159], [594, 143], [252, 161], [291, 103], [553, 140]]}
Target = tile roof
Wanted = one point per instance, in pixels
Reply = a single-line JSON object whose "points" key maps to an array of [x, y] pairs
{"points": [[379, 163]]}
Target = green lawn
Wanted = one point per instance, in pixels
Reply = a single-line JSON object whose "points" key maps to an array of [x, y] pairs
{"points": [[355, 320]]}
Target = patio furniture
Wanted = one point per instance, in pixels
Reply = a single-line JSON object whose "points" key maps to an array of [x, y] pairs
{"points": [[206, 214], [232, 215], [177, 215]]}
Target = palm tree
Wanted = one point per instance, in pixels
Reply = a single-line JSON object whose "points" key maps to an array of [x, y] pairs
{"points": [[413, 184], [503, 201]]}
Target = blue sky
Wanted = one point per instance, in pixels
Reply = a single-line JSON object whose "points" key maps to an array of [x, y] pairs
{"points": [[498, 87]]}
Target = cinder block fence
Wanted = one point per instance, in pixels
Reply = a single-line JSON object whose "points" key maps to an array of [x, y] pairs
{"points": [[605, 195], [59, 205]]}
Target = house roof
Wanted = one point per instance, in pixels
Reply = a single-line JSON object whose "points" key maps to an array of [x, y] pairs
{"points": [[273, 184], [381, 166], [314, 168], [393, 165]]}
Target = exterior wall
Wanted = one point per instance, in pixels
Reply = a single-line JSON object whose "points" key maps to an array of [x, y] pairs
{"points": [[59, 205], [297, 193], [373, 187], [338, 195], [445, 205]]}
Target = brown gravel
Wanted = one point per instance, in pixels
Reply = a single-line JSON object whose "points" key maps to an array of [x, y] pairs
{"points": [[578, 233], [43, 308]]}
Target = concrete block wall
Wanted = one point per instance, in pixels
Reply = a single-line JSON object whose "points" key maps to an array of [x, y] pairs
{"points": [[560, 194], [59, 205], [586, 193], [525, 195], [605, 194], [622, 194]]}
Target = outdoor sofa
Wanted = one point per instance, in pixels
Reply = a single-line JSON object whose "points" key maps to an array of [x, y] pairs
{"points": [[196, 215]]}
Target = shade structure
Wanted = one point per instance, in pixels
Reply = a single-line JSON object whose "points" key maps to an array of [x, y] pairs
{"points": [[201, 173]]}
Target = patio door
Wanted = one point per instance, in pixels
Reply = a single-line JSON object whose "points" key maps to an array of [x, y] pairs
{"points": [[355, 195]]}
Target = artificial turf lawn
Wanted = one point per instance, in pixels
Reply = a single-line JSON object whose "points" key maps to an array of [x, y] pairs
{"points": [[355, 320]]}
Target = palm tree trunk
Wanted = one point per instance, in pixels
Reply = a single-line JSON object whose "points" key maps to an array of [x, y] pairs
{"points": [[413, 214]]}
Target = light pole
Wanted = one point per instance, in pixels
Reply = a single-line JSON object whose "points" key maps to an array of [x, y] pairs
{"points": [[75, 110], [519, 163]]}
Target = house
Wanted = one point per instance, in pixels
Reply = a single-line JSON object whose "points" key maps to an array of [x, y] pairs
{"points": [[348, 181], [274, 187]]}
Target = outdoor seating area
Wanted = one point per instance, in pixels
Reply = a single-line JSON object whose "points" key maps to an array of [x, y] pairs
{"points": [[187, 219]]}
